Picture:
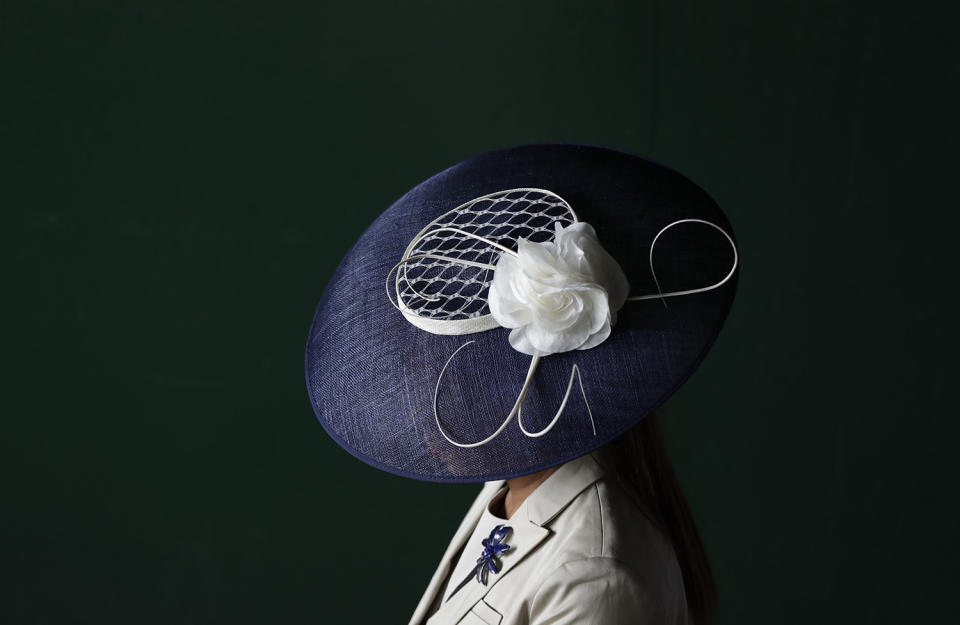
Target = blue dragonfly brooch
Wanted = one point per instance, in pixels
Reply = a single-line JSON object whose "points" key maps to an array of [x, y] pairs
{"points": [[489, 560], [493, 548]]}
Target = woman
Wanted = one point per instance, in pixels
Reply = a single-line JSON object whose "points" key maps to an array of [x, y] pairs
{"points": [[489, 271], [624, 546]]}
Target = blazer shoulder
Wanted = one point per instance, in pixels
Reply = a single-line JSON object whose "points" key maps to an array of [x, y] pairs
{"points": [[603, 522], [606, 546]]}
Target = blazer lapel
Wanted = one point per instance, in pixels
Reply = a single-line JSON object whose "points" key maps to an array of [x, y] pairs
{"points": [[524, 538], [529, 530], [462, 534]]}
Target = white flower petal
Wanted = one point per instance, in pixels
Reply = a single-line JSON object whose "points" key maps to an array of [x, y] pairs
{"points": [[597, 338], [558, 295], [519, 342]]}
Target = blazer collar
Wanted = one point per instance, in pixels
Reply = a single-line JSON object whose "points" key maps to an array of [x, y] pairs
{"points": [[529, 525], [558, 490], [463, 532]]}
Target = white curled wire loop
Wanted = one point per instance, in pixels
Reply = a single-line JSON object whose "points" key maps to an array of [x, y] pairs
{"points": [[482, 323]]}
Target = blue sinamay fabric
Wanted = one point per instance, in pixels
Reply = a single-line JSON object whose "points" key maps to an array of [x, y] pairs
{"points": [[371, 374]]}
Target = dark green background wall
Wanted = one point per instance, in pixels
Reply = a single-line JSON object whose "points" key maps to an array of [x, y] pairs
{"points": [[179, 181]]}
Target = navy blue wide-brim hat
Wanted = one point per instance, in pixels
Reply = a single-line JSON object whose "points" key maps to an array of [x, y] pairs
{"points": [[397, 388]]}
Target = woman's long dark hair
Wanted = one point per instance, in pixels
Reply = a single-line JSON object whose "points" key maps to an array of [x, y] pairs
{"points": [[641, 468]]}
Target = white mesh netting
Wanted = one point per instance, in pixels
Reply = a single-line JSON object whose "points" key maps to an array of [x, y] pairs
{"points": [[440, 290]]}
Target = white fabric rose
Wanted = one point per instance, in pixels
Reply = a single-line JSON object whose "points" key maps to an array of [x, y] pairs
{"points": [[558, 295]]}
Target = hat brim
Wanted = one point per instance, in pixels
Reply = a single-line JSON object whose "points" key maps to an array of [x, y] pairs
{"points": [[371, 374]]}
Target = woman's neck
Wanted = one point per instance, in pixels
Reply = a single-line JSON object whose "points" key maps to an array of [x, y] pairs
{"points": [[519, 488]]}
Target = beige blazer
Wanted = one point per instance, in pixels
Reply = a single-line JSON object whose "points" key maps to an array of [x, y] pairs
{"points": [[582, 553]]}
